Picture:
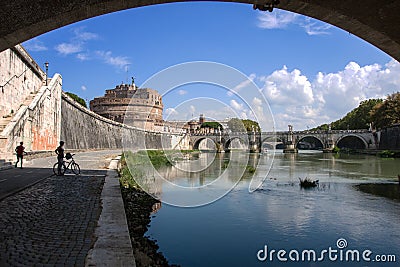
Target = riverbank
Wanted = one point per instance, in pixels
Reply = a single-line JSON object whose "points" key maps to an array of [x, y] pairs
{"points": [[138, 208]]}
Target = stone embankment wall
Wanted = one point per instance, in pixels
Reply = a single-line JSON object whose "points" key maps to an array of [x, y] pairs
{"points": [[83, 129], [36, 122], [20, 76], [390, 138]]}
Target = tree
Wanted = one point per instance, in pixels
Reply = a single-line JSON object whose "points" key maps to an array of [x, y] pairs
{"points": [[238, 125], [358, 118], [250, 125], [78, 99], [211, 124], [386, 113]]}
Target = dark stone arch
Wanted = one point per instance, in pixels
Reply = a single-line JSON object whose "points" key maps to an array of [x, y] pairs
{"points": [[315, 143], [264, 142], [229, 141], [196, 144], [375, 21], [351, 142]]}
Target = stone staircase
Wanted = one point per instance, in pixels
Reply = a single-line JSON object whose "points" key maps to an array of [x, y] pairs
{"points": [[7, 158], [4, 122], [28, 100]]}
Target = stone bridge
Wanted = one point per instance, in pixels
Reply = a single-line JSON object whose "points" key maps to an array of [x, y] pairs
{"points": [[326, 140], [357, 139]]}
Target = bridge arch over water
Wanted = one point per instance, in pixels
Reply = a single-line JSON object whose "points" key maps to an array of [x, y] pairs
{"points": [[197, 142], [372, 20], [352, 141], [228, 142], [312, 137], [271, 142]]}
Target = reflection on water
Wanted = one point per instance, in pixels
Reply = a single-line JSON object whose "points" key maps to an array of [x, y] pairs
{"points": [[230, 231], [391, 191]]}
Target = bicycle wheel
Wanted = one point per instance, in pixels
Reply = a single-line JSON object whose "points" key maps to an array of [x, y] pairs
{"points": [[55, 169], [75, 168]]}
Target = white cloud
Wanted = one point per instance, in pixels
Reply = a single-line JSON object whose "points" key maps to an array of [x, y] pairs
{"points": [[82, 56], [35, 45], [240, 86], [284, 88], [276, 20], [83, 88], [182, 92], [280, 19], [68, 48], [76, 43], [116, 61], [82, 36], [235, 105], [315, 27], [295, 99]]}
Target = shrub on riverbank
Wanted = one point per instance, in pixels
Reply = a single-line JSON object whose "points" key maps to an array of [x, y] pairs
{"points": [[389, 154], [336, 150], [138, 208], [127, 176]]}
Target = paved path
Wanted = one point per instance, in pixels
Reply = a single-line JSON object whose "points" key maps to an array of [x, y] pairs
{"points": [[16, 179], [52, 222]]}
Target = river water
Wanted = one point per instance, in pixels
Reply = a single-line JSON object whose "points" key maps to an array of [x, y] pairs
{"points": [[355, 207]]}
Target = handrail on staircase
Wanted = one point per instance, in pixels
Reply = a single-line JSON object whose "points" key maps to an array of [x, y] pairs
{"points": [[12, 77]]}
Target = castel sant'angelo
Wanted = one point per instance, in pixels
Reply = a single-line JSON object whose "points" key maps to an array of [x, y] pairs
{"points": [[139, 107], [128, 104]]}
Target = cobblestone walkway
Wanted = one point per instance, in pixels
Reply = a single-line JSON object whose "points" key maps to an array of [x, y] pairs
{"points": [[51, 223]]}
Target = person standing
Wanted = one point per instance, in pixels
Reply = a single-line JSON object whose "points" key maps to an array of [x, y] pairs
{"points": [[20, 150], [60, 156]]}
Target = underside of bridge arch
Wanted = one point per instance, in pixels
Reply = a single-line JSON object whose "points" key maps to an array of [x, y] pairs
{"points": [[204, 144], [351, 142], [310, 143], [235, 143], [272, 143], [372, 20]]}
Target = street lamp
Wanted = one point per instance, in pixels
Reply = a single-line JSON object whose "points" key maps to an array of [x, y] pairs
{"points": [[46, 64]]}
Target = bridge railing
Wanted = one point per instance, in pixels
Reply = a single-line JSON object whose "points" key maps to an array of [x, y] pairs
{"points": [[222, 134], [284, 132]]}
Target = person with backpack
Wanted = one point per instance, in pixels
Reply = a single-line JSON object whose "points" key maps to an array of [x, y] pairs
{"points": [[20, 150]]}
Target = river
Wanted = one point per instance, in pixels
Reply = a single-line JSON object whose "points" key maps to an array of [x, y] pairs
{"points": [[355, 208]]}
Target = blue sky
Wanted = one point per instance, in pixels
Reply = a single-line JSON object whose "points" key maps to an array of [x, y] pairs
{"points": [[310, 72]]}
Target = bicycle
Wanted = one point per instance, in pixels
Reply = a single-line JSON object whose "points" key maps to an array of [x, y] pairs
{"points": [[72, 165]]}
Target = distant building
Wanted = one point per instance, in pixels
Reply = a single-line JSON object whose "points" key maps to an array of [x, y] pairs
{"points": [[131, 105], [142, 108]]}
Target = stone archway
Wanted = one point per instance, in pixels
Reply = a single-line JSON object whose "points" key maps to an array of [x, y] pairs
{"points": [[372, 20], [315, 143], [272, 142], [352, 142], [196, 144], [227, 145]]}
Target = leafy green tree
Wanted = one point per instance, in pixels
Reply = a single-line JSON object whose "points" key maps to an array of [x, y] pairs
{"points": [[78, 99], [249, 125], [238, 125], [386, 113], [358, 118], [211, 124]]}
